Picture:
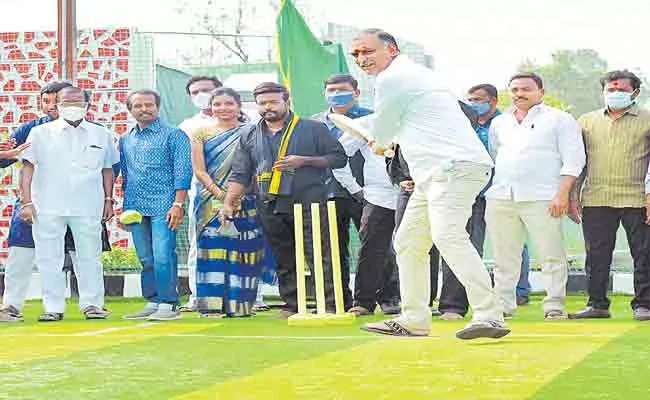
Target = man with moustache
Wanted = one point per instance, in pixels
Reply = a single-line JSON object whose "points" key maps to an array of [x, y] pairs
{"points": [[539, 153], [288, 159], [157, 171]]}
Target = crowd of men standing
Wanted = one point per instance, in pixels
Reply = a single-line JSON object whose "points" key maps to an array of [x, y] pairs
{"points": [[461, 170]]}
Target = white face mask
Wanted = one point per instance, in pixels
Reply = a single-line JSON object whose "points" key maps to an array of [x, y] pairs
{"points": [[202, 100], [72, 113]]}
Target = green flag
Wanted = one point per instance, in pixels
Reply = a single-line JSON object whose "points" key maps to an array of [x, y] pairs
{"points": [[304, 63]]}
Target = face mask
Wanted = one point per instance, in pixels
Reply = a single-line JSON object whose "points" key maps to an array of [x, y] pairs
{"points": [[202, 100], [480, 108], [618, 100], [340, 99], [72, 113]]}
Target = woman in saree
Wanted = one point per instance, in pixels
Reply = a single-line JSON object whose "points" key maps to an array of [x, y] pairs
{"points": [[230, 257]]}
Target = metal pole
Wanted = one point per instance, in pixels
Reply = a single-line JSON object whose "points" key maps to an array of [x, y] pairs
{"points": [[67, 38]]}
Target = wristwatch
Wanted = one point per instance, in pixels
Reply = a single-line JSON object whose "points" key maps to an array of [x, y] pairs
{"points": [[179, 205]]}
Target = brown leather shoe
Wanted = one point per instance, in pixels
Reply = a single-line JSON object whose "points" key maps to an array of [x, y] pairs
{"points": [[360, 311], [589, 313]]}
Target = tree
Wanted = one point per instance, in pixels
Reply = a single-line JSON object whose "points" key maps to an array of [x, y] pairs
{"points": [[230, 25], [505, 102], [573, 78]]}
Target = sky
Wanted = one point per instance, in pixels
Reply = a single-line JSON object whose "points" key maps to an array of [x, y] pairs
{"points": [[472, 41]]}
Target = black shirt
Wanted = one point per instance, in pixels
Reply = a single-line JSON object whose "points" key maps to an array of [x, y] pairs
{"points": [[308, 184]]}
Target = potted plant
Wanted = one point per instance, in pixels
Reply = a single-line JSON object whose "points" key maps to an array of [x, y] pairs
{"points": [[117, 263]]}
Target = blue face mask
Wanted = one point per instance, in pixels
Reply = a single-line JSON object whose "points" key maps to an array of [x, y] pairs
{"points": [[480, 108], [618, 100], [340, 99]]}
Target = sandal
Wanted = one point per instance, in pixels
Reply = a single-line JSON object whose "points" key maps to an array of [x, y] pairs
{"points": [[391, 327], [94, 312], [50, 317]]}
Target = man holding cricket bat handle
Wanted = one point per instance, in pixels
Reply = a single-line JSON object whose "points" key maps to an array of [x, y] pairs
{"points": [[288, 160], [449, 167]]}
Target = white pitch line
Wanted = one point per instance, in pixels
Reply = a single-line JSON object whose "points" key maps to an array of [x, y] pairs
{"points": [[316, 338], [110, 330], [87, 333]]}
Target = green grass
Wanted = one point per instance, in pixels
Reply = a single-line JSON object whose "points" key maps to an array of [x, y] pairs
{"points": [[263, 358]]}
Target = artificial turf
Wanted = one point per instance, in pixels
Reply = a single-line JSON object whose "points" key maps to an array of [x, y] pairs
{"points": [[263, 358]]}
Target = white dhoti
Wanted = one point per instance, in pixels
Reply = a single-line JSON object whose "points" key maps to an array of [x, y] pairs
{"points": [[438, 211], [18, 272], [49, 233], [508, 224]]}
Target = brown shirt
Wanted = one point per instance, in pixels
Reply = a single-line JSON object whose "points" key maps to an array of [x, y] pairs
{"points": [[618, 152]]}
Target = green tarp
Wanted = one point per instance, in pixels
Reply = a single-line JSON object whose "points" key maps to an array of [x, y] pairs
{"points": [[175, 105]]}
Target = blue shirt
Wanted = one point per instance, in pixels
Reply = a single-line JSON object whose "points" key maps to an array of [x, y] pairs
{"points": [[20, 232], [482, 132], [156, 162]]}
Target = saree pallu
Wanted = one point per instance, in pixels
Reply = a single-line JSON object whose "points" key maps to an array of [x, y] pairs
{"points": [[228, 268]]}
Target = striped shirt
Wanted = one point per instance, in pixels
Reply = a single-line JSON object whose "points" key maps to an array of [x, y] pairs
{"points": [[618, 152]]}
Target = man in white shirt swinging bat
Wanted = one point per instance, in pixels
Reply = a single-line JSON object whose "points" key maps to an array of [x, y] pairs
{"points": [[449, 166]]}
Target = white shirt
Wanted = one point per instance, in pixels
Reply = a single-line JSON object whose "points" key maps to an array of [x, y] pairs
{"points": [[413, 106], [68, 165], [346, 179], [530, 157], [195, 122], [377, 187]]}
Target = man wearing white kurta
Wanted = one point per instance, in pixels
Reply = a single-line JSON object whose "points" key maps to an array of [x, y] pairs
{"points": [[200, 89], [68, 181], [539, 153], [449, 166]]}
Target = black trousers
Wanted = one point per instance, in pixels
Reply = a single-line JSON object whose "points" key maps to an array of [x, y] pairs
{"points": [[599, 225], [279, 229], [375, 282], [347, 209]]}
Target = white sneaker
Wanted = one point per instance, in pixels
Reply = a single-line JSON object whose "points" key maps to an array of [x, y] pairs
{"points": [[165, 312], [149, 309]]}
